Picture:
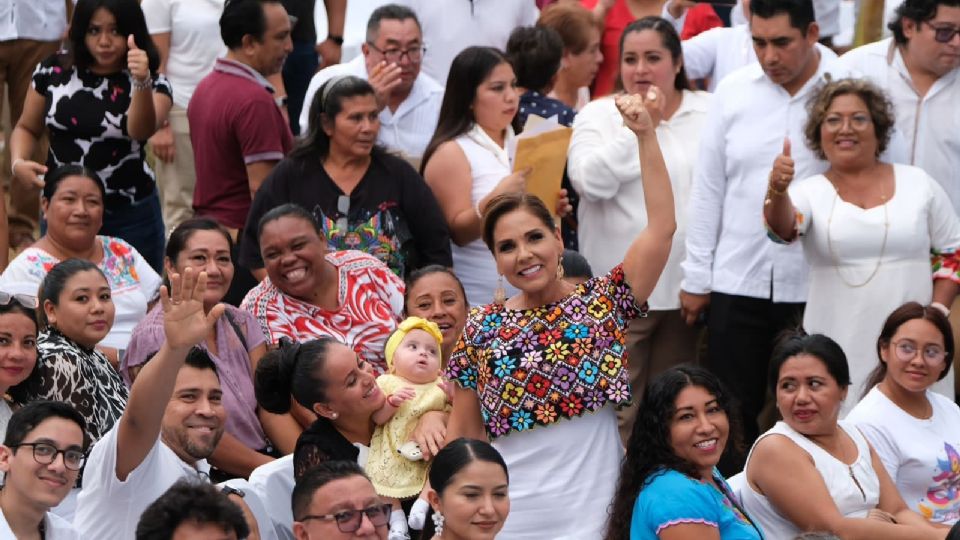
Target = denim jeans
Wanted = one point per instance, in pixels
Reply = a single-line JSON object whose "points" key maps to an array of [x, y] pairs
{"points": [[298, 69], [141, 225]]}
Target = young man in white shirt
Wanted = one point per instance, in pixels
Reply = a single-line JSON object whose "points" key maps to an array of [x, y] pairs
{"points": [[754, 288], [42, 453], [153, 446], [336, 501], [192, 511], [919, 68], [391, 60]]}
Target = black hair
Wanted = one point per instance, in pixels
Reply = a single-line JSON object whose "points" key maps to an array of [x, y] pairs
{"points": [[575, 265], [190, 502], [430, 269], [292, 369], [649, 448], [287, 210], [535, 53], [502, 205], [900, 316], [130, 20], [317, 477], [917, 11], [51, 288], [389, 12], [26, 391], [53, 179], [800, 12], [199, 358], [27, 418], [453, 458], [177, 242], [669, 38], [794, 343], [467, 72], [241, 18], [325, 106], [954, 533]]}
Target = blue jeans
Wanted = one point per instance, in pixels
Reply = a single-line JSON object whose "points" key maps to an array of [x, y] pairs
{"points": [[141, 225], [298, 69]]}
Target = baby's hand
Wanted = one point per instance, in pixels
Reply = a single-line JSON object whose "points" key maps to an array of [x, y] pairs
{"points": [[448, 389], [400, 396]]}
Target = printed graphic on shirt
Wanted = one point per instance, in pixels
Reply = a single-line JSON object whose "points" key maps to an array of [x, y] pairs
{"points": [[381, 233], [942, 503]]}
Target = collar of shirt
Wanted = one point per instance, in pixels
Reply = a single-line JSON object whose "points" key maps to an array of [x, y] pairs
{"points": [[239, 69], [826, 65], [894, 58]]}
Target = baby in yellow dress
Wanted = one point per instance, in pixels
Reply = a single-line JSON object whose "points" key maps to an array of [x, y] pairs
{"points": [[413, 388]]}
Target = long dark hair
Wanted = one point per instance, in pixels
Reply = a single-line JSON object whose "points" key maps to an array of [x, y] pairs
{"points": [[819, 346], [670, 40], [130, 20], [901, 316], [326, 105], [468, 70], [292, 369], [649, 449], [25, 391]]}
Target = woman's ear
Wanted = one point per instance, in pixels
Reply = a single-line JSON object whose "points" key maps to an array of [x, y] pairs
{"points": [[50, 312], [321, 409], [326, 124], [168, 266], [44, 205], [434, 500]]}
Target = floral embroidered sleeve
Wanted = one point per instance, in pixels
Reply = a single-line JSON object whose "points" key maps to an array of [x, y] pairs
{"points": [[944, 227], [945, 264], [619, 293], [462, 366]]}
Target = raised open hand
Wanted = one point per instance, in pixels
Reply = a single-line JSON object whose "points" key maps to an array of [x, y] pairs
{"points": [[185, 323]]}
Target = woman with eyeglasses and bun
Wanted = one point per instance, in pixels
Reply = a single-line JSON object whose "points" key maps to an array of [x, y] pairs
{"points": [[914, 430], [363, 197]]}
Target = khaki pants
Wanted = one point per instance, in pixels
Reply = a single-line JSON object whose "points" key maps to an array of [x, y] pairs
{"points": [[655, 344], [18, 59], [176, 180]]}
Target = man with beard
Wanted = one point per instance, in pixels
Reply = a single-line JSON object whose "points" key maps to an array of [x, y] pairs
{"points": [[153, 447], [42, 453]]}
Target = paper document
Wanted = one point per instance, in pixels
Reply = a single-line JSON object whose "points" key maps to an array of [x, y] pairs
{"points": [[543, 147]]}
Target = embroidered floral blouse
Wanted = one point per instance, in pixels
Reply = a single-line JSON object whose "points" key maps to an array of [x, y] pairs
{"points": [[533, 367]]}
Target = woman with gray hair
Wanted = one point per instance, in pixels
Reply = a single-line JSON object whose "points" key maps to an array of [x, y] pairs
{"points": [[876, 234]]}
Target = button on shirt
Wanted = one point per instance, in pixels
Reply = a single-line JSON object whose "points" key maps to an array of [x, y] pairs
{"points": [[42, 20], [928, 124], [406, 130], [727, 247]]}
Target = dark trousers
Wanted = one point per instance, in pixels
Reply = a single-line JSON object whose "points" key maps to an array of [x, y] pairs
{"points": [[141, 225], [298, 69], [741, 333]]}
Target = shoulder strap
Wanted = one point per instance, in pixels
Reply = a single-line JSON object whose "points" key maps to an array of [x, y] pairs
{"points": [[236, 328]]}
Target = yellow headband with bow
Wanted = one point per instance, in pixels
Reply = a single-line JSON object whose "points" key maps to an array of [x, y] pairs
{"points": [[408, 324]]}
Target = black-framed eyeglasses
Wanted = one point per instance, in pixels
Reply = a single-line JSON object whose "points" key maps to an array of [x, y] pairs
{"points": [[25, 300], [943, 34], [46, 453], [414, 54], [907, 351], [349, 521], [343, 208]]}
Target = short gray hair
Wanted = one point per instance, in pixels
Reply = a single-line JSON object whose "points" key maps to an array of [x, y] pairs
{"points": [[393, 12]]}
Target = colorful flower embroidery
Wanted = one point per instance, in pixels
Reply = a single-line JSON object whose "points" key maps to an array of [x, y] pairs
{"points": [[535, 366]]}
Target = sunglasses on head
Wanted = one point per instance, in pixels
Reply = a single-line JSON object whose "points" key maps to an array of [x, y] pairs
{"points": [[25, 300]]}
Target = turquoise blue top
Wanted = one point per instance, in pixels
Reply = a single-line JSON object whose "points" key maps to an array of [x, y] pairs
{"points": [[670, 497]]}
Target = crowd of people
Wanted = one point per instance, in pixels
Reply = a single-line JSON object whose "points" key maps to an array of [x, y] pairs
{"points": [[277, 296]]}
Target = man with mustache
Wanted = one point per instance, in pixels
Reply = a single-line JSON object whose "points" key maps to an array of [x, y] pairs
{"points": [[151, 447], [42, 453]]}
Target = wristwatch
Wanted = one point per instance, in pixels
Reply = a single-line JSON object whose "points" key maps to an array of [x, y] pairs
{"points": [[227, 490], [336, 39]]}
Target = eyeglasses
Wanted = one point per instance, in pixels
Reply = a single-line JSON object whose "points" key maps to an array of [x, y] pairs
{"points": [[25, 300], [46, 453], [343, 207], [349, 521], [858, 121], [414, 54], [943, 34], [907, 350]]}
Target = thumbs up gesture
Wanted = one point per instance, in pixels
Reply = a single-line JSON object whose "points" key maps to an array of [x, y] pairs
{"points": [[782, 173], [137, 62]]}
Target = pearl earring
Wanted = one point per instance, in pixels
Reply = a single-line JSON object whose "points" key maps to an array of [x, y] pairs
{"points": [[438, 523]]}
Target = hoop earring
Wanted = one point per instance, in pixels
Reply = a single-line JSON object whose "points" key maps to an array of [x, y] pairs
{"points": [[560, 272], [500, 294]]}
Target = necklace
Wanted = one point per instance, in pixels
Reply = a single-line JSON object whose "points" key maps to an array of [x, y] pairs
{"points": [[883, 245], [842, 461]]}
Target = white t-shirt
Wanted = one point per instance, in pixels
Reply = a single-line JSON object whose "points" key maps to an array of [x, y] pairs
{"points": [[920, 455], [195, 43], [110, 509], [56, 528]]}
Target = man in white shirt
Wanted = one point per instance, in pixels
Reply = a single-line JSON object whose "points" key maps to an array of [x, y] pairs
{"points": [[192, 511], [151, 447], [754, 288], [30, 31], [451, 26], [919, 68], [391, 61], [335, 500], [42, 453]]}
